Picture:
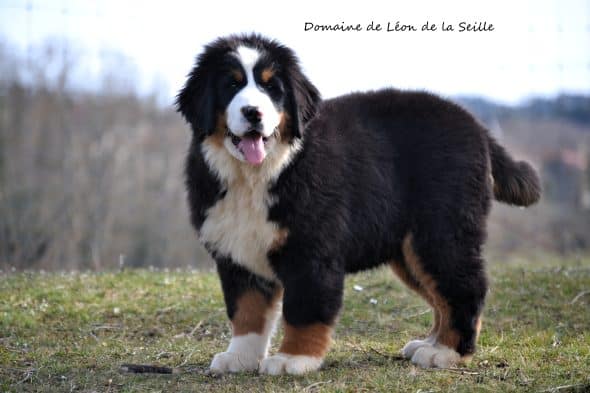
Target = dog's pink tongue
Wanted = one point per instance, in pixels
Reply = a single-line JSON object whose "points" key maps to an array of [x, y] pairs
{"points": [[253, 148]]}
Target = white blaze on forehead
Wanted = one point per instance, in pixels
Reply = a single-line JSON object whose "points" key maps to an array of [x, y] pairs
{"points": [[248, 57], [251, 95]]}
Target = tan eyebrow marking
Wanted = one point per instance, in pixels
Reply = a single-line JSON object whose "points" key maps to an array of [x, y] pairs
{"points": [[237, 74], [266, 74]]}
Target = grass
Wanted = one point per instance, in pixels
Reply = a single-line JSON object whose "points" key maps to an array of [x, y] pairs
{"points": [[71, 332]]}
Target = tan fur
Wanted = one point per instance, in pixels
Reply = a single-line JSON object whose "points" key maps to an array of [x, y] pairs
{"points": [[467, 358], [313, 340], [219, 134], [250, 314], [266, 74], [237, 225], [280, 239], [237, 74], [446, 334], [405, 276], [285, 133], [252, 311]]}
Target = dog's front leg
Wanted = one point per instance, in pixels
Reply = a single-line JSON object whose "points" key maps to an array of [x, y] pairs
{"points": [[253, 306], [311, 302]]}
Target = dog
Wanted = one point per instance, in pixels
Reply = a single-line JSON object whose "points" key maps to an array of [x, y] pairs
{"points": [[289, 193]]}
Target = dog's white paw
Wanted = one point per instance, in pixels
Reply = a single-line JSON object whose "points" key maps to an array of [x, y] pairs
{"points": [[410, 348], [436, 355], [291, 364], [233, 362]]}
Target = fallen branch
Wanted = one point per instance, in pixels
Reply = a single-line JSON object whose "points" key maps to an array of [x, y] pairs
{"points": [[191, 333], [462, 371], [371, 349], [574, 388], [185, 361], [98, 326], [26, 372], [579, 296], [417, 314], [315, 385], [28, 376], [388, 356], [146, 369], [197, 326]]}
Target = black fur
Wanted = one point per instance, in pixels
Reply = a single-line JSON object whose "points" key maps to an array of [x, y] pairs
{"points": [[517, 182], [236, 280], [203, 188], [374, 168]]}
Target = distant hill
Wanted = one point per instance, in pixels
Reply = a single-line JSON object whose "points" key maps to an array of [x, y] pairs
{"points": [[571, 108]]}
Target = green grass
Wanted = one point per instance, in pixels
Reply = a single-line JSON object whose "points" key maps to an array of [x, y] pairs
{"points": [[71, 332]]}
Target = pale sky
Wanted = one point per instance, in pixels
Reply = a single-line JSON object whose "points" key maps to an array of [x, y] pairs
{"points": [[539, 47]]}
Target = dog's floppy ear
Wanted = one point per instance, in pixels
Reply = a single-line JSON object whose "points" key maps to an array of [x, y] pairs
{"points": [[303, 101], [196, 100]]}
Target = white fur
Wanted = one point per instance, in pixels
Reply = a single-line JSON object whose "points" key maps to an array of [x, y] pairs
{"points": [[291, 364], [436, 355], [237, 225], [251, 95], [410, 348], [245, 352]]}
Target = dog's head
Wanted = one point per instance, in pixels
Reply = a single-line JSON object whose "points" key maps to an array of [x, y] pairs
{"points": [[249, 94]]}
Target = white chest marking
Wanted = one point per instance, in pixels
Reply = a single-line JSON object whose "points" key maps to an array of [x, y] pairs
{"points": [[237, 226]]}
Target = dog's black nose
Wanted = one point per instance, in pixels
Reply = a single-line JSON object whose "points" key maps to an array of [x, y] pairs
{"points": [[252, 114]]}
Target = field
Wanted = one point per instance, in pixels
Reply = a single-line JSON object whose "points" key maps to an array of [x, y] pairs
{"points": [[73, 331]]}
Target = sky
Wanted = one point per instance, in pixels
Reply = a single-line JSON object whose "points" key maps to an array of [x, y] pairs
{"points": [[536, 48]]}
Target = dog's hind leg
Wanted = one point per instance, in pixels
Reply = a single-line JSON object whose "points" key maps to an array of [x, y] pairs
{"points": [[455, 284], [403, 273]]}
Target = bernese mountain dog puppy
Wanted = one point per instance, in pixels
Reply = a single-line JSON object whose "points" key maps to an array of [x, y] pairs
{"points": [[290, 193]]}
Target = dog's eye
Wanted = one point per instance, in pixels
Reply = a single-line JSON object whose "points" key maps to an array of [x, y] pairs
{"points": [[272, 86], [233, 84]]}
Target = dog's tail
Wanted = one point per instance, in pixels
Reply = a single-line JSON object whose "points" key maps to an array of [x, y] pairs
{"points": [[515, 182]]}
